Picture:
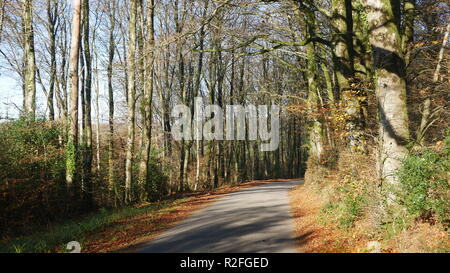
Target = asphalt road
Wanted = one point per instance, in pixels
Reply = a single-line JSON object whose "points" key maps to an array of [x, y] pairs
{"points": [[253, 220]]}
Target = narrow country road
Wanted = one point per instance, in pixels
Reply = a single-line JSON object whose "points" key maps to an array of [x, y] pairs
{"points": [[254, 220]]}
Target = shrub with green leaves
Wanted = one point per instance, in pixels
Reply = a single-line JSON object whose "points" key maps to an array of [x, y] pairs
{"points": [[346, 211], [31, 172], [424, 187], [157, 180], [353, 208]]}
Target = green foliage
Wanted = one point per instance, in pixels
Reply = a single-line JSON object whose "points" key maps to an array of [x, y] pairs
{"points": [[424, 187], [396, 220], [26, 145], [77, 229], [345, 211], [352, 211], [71, 158], [157, 180], [31, 166], [28, 148], [327, 213]]}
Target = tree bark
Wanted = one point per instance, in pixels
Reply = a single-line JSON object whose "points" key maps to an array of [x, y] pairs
{"points": [[316, 130], [131, 120], [147, 100], [390, 89], [345, 72], [30, 60], [72, 143], [87, 103], [409, 8], [111, 53], [52, 17], [198, 93]]}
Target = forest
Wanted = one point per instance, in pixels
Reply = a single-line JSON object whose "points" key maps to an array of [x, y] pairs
{"points": [[89, 91]]}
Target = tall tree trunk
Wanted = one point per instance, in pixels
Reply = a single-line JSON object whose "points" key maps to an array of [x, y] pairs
{"points": [[30, 60], [361, 43], [72, 142], [87, 113], [197, 93], [165, 102], [61, 80], [52, 17], [140, 78], [343, 42], [97, 109], [111, 53], [316, 130], [131, 101], [147, 100], [183, 88], [345, 72], [83, 100], [390, 88]]}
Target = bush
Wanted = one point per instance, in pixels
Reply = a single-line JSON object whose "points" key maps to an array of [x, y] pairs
{"points": [[345, 211], [353, 209], [157, 181], [424, 187], [31, 171]]}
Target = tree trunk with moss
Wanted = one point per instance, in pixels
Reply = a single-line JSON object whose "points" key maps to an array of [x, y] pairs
{"points": [[343, 42], [361, 44], [389, 63], [345, 73], [363, 63], [147, 101], [409, 9], [305, 17], [316, 129], [72, 142]]}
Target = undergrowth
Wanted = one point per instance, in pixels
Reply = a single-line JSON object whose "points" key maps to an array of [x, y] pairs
{"points": [[56, 238], [416, 222]]}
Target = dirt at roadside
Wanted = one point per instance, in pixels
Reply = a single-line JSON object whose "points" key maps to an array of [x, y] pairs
{"points": [[315, 237], [312, 236]]}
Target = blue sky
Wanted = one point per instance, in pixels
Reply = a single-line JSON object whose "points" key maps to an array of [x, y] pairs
{"points": [[10, 92]]}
